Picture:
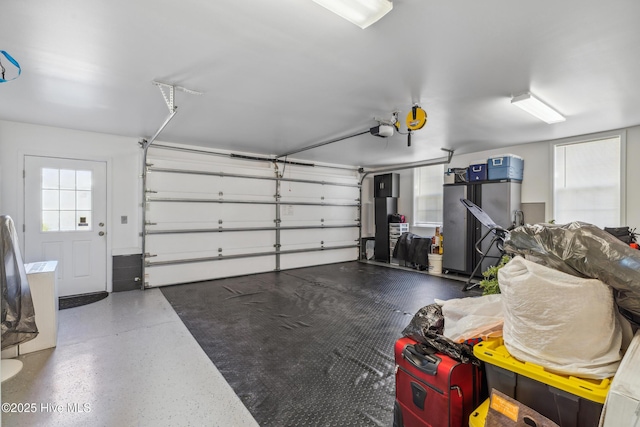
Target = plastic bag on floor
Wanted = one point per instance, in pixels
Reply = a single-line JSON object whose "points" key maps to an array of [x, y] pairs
{"points": [[473, 317], [564, 323]]}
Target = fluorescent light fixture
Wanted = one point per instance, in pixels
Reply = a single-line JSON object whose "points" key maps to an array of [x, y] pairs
{"points": [[537, 108], [360, 12]]}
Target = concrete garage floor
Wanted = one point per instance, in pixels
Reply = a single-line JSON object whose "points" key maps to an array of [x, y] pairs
{"points": [[132, 361], [129, 360]]}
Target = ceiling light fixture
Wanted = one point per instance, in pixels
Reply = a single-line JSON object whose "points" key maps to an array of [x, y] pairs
{"points": [[537, 108], [360, 12]]}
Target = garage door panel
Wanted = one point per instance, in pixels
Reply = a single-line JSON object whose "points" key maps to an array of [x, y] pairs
{"points": [[185, 215], [314, 215], [317, 222], [203, 186], [225, 197], [195, 272], [209, 244], [210, 254], [289, 261], [306, 192], [290, 239], [180, 227], [321, 174], [202, 163]]}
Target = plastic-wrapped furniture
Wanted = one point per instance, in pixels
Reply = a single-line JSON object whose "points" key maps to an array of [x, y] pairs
{"points": [[18, 316]]}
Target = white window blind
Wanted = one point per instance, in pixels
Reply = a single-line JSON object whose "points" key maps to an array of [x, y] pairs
{"points": [[587, 182], [427, 195]]}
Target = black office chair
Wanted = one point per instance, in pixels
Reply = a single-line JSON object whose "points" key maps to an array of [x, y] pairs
{"points": [[500, 234]]}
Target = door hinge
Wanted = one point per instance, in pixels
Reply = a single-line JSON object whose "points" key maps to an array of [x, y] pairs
{"points": [[24, 228], [24, 173]]}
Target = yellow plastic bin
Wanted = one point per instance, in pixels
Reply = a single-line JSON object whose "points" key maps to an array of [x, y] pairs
{"points": [[479, 415], [566, 400]]}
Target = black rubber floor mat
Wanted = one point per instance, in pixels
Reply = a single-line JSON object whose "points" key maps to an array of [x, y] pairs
{"points": [[311, 346], [78, 300]]}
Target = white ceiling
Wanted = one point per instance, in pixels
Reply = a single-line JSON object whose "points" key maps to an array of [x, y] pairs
{"points": [[286, 74]]}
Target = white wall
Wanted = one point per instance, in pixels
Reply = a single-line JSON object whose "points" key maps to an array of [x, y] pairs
{"points": [[536, 184], [123, 157]]}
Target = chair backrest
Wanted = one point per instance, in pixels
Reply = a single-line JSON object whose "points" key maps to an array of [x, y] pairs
{"points": [[485, 219], [480, 215]]}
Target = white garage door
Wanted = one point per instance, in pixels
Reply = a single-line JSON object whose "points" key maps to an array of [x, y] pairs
{"points": [[211, 216]]}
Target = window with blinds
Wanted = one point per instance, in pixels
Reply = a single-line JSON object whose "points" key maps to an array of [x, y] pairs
{"points": [[587, 183], [427, 195]]}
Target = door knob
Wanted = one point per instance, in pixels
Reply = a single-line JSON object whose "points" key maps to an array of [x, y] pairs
{"points": [[101, 233]]}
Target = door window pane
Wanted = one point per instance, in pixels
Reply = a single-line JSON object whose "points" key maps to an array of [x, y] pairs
{"points": [[68, 179], [50, 200], [50, 178], [83, 200], [67, 220], [83, 180], [50, 221], [66, 200]]}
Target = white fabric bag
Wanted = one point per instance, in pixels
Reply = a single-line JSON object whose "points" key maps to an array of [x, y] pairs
{"points": [[473, 317], [564, 323]]}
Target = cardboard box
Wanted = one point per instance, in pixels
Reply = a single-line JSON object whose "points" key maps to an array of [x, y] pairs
{"points": [[507, 412]]}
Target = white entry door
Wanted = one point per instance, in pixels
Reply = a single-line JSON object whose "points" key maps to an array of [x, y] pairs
{"points": [[65, 220]]}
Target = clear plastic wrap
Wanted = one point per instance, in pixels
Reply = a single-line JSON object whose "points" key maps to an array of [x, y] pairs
{"points": [[583, 250], [18, 316], [472, 317]]}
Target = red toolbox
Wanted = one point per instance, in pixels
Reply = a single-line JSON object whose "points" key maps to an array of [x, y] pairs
{"points": [[432, 389]]}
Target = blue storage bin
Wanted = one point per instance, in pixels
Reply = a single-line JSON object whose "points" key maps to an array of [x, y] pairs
{"points": [[507, 166], [478, 171]]}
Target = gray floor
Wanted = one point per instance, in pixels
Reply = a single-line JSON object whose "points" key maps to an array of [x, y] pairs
{"points": [[311, 346], [132, 361]]}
